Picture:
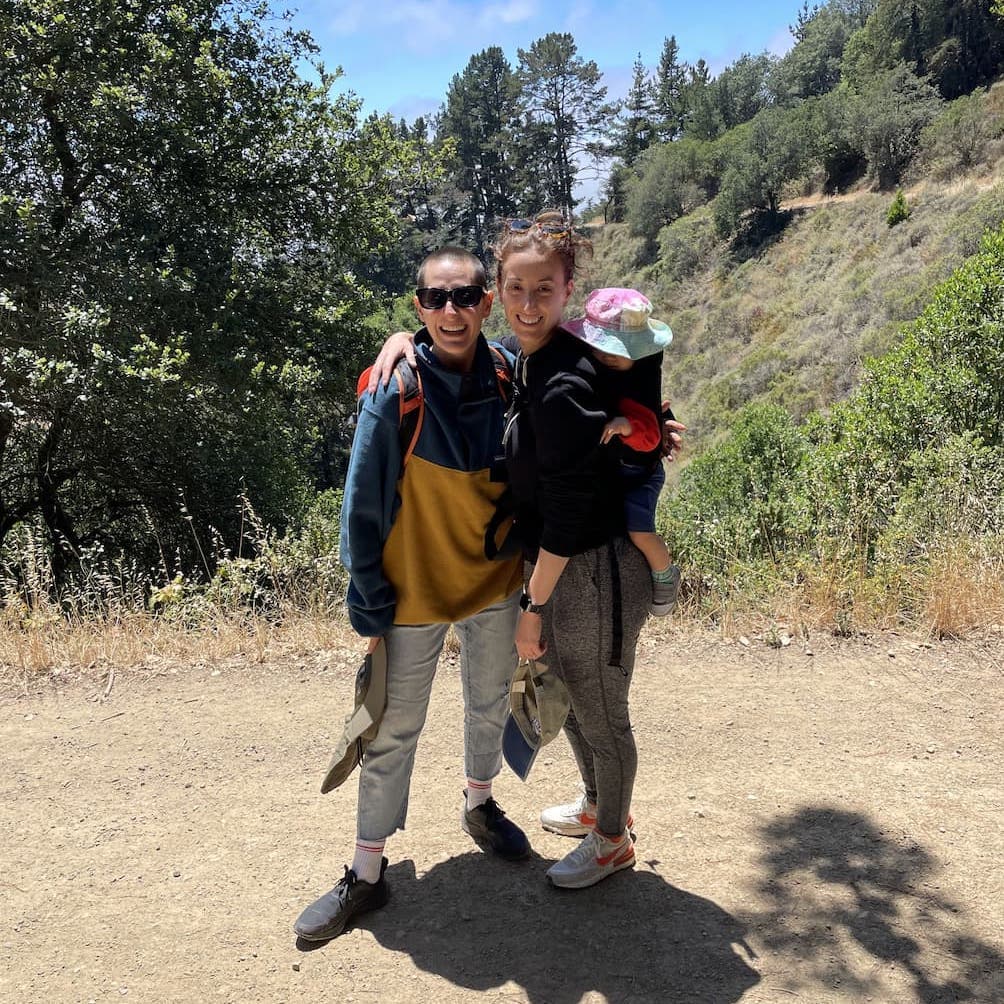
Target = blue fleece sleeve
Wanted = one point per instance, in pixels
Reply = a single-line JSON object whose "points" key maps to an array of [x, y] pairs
{"points": [[368, 510]]}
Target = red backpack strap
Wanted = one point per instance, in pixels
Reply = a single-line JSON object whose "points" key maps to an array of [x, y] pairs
{"points": [[411, 408], [410, 405]]}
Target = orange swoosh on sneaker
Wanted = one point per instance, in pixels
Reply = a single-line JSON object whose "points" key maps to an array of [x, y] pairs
{"points": [[586, 820], [617, 856]]}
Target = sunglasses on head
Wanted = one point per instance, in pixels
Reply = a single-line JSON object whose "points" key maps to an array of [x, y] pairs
{"points": [[555, 229], [434, 298]]}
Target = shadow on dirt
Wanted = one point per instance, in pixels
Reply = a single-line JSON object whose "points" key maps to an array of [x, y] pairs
{"points": [[832, 879], [480, 923]]}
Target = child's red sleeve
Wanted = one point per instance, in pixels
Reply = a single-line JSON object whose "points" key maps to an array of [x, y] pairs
{"points": [[646, 433]]}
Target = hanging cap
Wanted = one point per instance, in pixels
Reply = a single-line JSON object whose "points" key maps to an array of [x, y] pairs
{"points": [[362, 725]]}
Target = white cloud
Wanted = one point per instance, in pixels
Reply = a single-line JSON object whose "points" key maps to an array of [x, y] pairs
{"points": [[349, 19], [510, 12]]}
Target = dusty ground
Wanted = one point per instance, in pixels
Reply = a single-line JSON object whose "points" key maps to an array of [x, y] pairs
{"points": [[816, 827]]}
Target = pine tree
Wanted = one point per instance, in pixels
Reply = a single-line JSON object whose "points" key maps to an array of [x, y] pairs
{"points": [[635, 129], [565, 117], [669, 91]]}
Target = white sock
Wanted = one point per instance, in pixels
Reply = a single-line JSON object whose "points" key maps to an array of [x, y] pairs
{"points": [[478, 792], [369, 857]]}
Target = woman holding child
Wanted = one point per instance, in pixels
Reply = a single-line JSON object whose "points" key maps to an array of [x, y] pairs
{"points": [[589, 589]]}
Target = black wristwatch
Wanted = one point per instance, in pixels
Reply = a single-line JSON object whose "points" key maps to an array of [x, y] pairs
{"points": [[525, 603]]}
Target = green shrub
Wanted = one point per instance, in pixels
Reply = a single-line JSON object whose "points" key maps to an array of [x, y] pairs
{"points": [[953, 491], [942, 381], [686, 245], [899, 211], [743, 500]]}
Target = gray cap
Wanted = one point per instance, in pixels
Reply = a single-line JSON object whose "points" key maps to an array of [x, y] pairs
{"points": [[538, 707], [362, 725]]}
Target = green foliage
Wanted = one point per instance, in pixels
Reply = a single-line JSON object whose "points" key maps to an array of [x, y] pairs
{"points": [[298, 569], [873, 498], [271, 574], [669, 91], [741, 501], [812, 66], [564, 114], [959, 137], [953, 490], [635, 128], [899, 211], [669, 180], [959, 43], [942, 381], [703, 117], [772, 150], [686, 245], [742, 89], [482, 117], [176, 313], [885, 119]]}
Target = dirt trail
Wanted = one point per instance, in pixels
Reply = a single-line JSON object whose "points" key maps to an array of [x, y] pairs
{"points": [[812, 827]]}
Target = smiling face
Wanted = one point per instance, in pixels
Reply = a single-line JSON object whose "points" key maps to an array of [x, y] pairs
{"points": [[534, 292], [454, 330]]}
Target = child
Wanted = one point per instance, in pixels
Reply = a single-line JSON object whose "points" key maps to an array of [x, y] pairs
{"points": [[624, 337]]}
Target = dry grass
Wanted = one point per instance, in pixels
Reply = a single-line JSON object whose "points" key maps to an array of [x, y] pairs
{"points": [[964, 598], [955, 596], [52, 645]]}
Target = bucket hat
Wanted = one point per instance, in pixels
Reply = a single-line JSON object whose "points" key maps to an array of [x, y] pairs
{"points": [[619, 322], [362, 725], [538, 707]]}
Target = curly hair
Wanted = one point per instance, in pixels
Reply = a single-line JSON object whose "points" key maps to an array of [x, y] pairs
{"points": [[550, 232]]}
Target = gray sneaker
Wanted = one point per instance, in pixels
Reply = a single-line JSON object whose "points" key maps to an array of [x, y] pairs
{"points": [[328, 916], [664, 594]]}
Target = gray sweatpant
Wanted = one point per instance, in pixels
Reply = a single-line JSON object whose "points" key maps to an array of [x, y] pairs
{"points": [[579, 627]]}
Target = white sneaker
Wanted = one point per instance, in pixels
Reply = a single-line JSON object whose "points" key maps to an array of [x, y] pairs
{"points": [[592, 861], [574, 819]]}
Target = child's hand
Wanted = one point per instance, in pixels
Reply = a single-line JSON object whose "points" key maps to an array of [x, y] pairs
{"points": [[619, 426], [672, 433]]}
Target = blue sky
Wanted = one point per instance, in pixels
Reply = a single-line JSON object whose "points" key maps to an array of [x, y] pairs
{"points": [[399, 55]]}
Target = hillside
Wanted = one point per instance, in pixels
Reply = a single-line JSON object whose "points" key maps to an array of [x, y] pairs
{"points": [[792, 323]]}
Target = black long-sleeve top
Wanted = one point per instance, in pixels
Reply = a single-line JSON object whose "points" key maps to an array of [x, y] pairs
{"points": [[565, 485]]}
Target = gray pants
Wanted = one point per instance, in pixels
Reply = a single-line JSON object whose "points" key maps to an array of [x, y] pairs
{"points": [[579, 627]]}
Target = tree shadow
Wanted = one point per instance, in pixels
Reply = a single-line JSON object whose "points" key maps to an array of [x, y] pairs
{"points": [[760, 230], [834, 881], [480, 922]]}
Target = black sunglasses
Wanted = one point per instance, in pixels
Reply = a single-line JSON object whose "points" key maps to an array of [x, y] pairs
{"points": [[434, 298]]}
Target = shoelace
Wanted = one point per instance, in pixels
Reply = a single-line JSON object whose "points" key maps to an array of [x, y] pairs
{"points": [[493, 811], [348, 880]]}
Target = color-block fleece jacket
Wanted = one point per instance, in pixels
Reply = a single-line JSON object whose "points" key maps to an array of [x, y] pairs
{"points": [[414, 544]]}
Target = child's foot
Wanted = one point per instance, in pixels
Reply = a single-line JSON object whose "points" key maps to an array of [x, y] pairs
{"points": [[665, 586]]}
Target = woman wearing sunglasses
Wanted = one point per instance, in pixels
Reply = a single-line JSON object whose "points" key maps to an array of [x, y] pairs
{"points": [[587, 588]]}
